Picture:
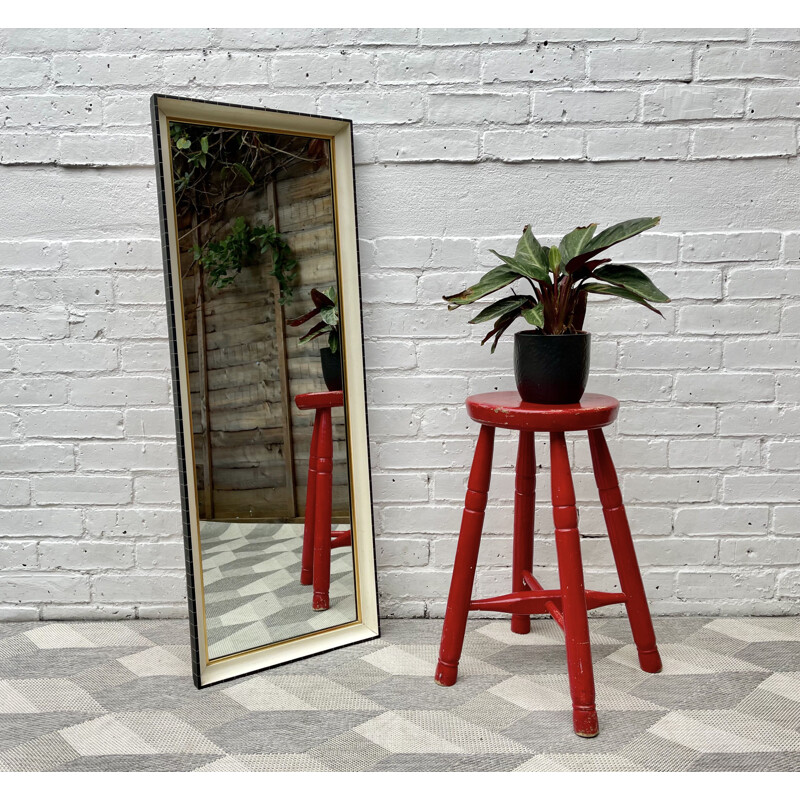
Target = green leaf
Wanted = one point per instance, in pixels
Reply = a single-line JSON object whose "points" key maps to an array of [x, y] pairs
{"points": [[554, 259], [330, 315], [492, 281], [607, 238], [573, 243], [183, 143], [618, 291], [534, 316], [204, 144], [529, 251], [525, 268], [501, 307], [619, 233], [632, 279], [333, 342], [242, 170]]}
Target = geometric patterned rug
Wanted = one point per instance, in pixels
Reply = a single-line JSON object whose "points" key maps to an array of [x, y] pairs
{"points": [[253, 594], [103, 696]]}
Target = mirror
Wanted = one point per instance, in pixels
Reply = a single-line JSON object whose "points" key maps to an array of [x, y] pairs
{"points": [[261, 271]]}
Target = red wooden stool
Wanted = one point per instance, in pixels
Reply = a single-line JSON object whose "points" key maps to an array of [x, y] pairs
{"points": [[569, 603], [318, 539]]}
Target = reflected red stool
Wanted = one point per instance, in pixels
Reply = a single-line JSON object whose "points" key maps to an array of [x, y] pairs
{"points": [[318, 538], [569, 603]]}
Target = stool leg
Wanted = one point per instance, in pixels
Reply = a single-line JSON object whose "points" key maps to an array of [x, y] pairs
{"points": [[322, 516], [524, 500], [619, 534], [469, 539], [573, 594], [307, 564]]}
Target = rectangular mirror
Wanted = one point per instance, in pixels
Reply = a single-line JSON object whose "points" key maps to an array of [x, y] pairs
{"points": [[261, 270]]}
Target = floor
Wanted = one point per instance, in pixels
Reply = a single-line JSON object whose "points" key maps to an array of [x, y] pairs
{"points": [[253, 594], [118, 696]]}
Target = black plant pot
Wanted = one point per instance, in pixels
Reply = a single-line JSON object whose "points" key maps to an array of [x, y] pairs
{"points": [[331, 369], [551, 369]]}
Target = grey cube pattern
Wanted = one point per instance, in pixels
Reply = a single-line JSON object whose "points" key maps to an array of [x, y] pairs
{"points": [[253, 595], [83, 696]]}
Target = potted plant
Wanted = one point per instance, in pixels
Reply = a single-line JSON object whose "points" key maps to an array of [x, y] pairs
{"points": [[551, 360], [327, 306]]}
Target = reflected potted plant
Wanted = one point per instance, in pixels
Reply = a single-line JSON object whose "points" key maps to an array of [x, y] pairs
{"points": [[326, 304], [551, 359]]}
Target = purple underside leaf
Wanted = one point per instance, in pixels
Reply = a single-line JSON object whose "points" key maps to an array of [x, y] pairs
{"points": [[583, 259], [320, 300], [579, 312], [584, 269], [304, 318], [504, 306], [500, 327], [319, 329]]}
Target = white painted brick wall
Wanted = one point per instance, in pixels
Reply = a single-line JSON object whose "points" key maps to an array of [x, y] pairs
{"points": [[462, 136]]}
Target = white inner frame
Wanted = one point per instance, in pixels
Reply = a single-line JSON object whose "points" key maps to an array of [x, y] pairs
{"points": [[338, 132]]}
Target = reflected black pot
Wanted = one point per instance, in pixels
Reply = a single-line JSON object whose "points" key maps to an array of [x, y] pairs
{"points": [[551, 369], [331, 369]]}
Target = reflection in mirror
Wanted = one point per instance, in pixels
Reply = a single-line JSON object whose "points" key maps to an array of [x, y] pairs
{"points": [[259, 292]]}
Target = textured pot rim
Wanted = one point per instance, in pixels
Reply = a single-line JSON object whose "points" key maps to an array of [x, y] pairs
{"points": [[549, 335]]}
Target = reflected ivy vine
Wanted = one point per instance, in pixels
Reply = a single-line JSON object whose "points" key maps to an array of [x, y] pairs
{"points": [[214, 169]]}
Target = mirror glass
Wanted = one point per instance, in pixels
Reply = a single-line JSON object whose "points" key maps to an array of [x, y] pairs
{"points": [[259, 294]]}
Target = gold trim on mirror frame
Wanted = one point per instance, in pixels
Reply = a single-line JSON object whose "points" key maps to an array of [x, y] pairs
{"points": [[366, 625]]}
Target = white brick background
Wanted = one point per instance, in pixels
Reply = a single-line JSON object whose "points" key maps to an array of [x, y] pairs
{"points": [[463, 136]]}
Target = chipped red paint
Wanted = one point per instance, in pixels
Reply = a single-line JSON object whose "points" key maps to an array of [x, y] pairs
{"points": [[318, 539], [569, 603]]}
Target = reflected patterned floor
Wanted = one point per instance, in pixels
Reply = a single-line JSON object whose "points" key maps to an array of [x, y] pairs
{"points": [[251, 575], [117, 696]]}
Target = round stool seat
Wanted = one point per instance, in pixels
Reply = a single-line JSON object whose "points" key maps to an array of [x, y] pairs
{"points": [[319, 400], [509, 410]]}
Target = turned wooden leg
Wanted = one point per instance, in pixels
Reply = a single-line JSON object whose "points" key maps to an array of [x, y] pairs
{"points": [[524, 500], [307, 564], [469, 539], [573, 595], [619, 534], [322, 516]]}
